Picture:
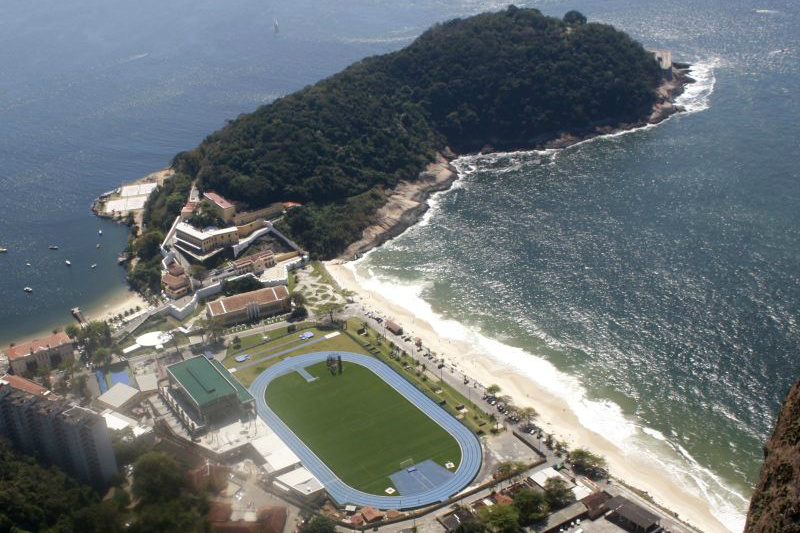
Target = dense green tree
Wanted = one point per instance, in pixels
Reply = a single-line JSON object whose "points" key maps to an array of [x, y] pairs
{"points": [[34, 498], [574, 18], [318, 524], [531, 505], [500, 518], [162, 207], [179, 515], [205, 215], [511, 79], [471, 526], [148, 245], [157, 477], [243, 284], [586, 462], [557, 493], [127, 448]]}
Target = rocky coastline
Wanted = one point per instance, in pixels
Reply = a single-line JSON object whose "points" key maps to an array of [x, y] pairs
{"points": [[408, 202]]}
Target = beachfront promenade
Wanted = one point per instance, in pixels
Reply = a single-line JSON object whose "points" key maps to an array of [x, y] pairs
{"points": [[342, 493]]}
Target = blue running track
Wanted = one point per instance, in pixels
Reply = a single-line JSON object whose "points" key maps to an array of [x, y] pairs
{"points": [[337, 489]]}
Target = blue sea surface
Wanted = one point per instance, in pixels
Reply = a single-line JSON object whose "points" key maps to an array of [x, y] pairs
{"points": [[659, 270]]}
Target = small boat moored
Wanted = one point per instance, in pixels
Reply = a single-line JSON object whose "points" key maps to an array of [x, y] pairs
{"points": [[68, 262], [53, 247], [99, 232], [28, 264], [3, 250], [27, 289], [98, 245], [94, 265]]}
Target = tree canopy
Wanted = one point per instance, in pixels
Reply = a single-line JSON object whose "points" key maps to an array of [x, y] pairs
{"points": [[45, 500], [557, 493], [510, 79]]}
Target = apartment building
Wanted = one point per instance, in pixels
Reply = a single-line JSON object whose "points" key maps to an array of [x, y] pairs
{"points": [[56, 431]]}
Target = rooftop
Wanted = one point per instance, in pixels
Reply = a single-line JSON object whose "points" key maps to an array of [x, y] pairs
{"points": [[190, 230], [118, 395], [252, 258], [221, 202], [174, 282], [238, 302], [301, 480], [206, 381], [25, 385], [632, 512], [27, 348]]}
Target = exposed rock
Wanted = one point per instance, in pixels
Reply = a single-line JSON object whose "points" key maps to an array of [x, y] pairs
{"points": [[775, 506]]}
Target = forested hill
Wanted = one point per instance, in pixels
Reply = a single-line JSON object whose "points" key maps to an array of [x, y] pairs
{"points": [[510, 79]]}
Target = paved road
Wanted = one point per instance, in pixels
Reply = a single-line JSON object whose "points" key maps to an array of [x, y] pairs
{"points": [[341, 492]]}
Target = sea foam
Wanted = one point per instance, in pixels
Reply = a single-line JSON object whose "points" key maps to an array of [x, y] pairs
{"points": [[600, 416]]}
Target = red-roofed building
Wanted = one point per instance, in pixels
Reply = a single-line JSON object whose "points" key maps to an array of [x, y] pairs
{"points": [[371, 514], [176, 286], [502, 499], [255, 263], [175, 269], [224, 208], [26, 386], [47, 353], [219, 512], [251, 305], [188, 210]]}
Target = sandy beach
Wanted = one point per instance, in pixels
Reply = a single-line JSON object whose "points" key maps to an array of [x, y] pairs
{"points": [[555, 415], [112, 304], [115, 304]]}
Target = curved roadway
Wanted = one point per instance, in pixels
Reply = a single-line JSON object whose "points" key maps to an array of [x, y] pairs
{"points": [[340, 491]]}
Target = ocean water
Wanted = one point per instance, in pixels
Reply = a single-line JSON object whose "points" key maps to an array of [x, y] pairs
{"points": [[652, 276]]}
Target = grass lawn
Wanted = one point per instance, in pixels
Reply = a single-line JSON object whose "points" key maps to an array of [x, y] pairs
{"points": [[358, 425], [340, 343]]}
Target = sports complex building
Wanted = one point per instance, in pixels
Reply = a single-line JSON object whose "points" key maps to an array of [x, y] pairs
{"points": [[201, 391]]}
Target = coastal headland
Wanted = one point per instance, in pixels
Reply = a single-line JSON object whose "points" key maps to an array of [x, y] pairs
{"points": [[407, 203]]}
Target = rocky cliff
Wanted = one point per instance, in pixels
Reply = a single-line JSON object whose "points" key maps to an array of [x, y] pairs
{"points": [[775, 507]]}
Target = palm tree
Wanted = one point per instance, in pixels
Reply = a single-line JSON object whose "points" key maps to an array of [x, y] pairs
{"points": [[527, 414]]}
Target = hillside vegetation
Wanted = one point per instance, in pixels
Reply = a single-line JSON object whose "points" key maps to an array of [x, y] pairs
{"points": [[511, 79]]}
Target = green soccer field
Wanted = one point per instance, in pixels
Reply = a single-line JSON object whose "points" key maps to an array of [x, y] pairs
{"points": [[358, 425]]}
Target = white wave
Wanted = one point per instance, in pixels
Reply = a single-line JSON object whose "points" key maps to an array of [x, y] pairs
{"points": [[696, 97], [603, 417], [134, 58], [656, 434]]}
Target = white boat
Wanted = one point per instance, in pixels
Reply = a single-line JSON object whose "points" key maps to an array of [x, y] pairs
{"points": [[68, 262], [53, 247], [98, 245], [3, 250], [99, 232], [94, 265], [27, 289], [275, 26], [27, 264]]}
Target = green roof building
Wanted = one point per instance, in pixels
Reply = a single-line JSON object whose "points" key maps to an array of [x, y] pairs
{"points": [[203, 392]]}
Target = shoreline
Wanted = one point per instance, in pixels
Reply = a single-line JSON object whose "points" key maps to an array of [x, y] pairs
{"points": [[114, 303], [556, 415], [407, 203]]}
